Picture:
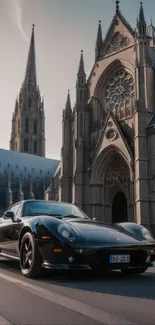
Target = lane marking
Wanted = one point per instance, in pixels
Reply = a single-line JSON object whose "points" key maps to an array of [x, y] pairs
{"points": [[94, 313], [4, 321]]}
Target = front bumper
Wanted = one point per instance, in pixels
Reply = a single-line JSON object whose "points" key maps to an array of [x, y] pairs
{"points": [[95, 258]]}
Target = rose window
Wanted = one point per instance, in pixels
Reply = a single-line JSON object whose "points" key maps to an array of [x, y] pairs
{"points": [[117, 169], [120, 93]]}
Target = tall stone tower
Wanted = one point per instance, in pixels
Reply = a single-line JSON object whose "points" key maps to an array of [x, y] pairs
{"points": [[28, 121]]}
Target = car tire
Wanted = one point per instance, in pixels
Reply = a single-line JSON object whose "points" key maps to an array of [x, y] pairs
{"points": [[134, 271], [30, 257]]}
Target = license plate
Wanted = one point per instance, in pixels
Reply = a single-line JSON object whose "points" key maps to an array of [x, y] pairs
{"points": [[119, 258]]}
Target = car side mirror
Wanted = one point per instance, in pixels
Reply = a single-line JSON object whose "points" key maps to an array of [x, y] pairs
{"points": [[9, 215]]}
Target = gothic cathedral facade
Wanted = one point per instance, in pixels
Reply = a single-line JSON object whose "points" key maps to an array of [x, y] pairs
{"points": [[28, 121], [108, 152]]}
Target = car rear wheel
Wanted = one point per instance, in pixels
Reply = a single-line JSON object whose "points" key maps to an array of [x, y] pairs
{"points": [[30, 257], [134, 271]]}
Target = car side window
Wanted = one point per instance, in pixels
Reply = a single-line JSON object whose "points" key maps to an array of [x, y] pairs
{"points": [[18, 214], [15, 208]]}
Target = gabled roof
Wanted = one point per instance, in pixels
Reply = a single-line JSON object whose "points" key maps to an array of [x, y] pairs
{"points": [[26, 164], [119, 15]]}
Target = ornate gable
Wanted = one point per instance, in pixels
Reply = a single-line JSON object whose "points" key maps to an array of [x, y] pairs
{"points": [[113, 136], [117, 43], [119, 36]]}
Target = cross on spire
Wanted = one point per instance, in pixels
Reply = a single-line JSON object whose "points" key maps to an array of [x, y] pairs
{"points": [[117, 5]]}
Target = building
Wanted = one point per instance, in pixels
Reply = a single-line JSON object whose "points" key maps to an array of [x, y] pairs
{"points": [[24, 176], [25, 173], [28, 121], [107, 163]]}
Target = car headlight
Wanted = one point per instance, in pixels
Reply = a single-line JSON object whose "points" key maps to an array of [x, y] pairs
{"points": [[66, 231], [146, 234]]}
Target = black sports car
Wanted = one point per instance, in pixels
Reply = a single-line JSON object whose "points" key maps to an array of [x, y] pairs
{"points": [[55, 235]]}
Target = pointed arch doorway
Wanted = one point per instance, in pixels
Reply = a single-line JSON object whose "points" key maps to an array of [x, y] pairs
{"points": [[119, 208]]}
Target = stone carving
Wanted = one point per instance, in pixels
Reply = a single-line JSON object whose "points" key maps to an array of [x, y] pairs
{"points": [[117, 169], [120, 94], [118, 42], [111, 134], [110, 124]]}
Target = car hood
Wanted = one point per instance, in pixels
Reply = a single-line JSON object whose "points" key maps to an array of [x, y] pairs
{"points": [[89, 232], [101, 232]]}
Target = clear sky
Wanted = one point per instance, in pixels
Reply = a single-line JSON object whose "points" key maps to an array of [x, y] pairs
{"points": [[62, 29]]}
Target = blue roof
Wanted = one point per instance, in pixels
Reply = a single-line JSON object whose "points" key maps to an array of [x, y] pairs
{"points": [[26, 164]]}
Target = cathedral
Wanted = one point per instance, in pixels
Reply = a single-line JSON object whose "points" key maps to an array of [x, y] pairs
{"points": [[107, 165]]}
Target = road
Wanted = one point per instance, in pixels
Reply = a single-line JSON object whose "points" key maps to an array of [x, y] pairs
{"points": [[81, 299]]}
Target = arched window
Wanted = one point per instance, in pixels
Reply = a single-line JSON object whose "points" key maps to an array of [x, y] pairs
{"points": [[26, 145], [30, 102], [26, 125], [35, 147], [18, 126], [35, 127], [81, 95]]}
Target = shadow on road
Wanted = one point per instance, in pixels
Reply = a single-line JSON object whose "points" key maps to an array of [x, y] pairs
{"points": [[113, 282]]}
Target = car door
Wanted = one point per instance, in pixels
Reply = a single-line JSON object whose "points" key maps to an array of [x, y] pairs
{"points": [[9, 231]]}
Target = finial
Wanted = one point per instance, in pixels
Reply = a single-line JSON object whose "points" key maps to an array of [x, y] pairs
{"points": [[117, 5], [81, 51], [33, 26], [68, 91], [99, 21]]}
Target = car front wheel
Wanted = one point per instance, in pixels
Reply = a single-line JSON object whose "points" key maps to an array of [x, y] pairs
{"points": [[134, 271], [30, 257]]}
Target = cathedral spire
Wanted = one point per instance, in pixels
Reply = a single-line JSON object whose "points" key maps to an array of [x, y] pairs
{"points": [[141, 23], [68, 102], [30, 75], [28, 133], [98, 40], [16, 105], [99, 34], [81, 64], [81, 76], [68, 109]]}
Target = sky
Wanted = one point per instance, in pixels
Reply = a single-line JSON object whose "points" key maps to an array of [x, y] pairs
{"points": [[62, 29]]}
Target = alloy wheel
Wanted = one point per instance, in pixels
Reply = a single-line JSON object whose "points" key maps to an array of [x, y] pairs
{"points": [[27, 255]]}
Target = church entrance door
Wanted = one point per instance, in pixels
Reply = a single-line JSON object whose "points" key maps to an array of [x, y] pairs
{"points": [[119, 208]]}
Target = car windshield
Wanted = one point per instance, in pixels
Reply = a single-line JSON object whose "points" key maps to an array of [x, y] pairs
{"points": [[58, 209]]}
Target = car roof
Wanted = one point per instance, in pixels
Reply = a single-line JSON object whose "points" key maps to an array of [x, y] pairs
{"points": [[33, 200]]}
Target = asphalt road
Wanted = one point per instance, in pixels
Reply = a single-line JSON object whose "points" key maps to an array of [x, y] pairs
{"points": [[79, 299]]}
